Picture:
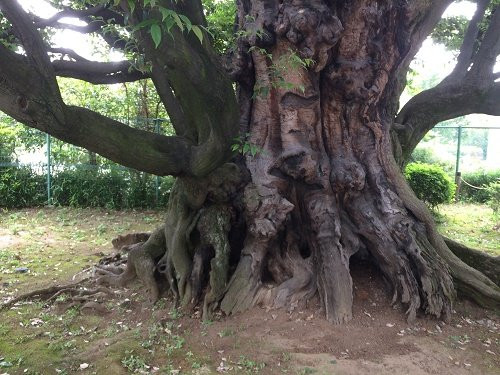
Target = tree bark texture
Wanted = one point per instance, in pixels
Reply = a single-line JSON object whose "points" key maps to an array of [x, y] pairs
{"points": [[317, 83], [324, 184]]}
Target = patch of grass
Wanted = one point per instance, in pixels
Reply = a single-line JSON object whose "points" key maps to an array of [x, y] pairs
{"points": [[133, 363], [175, 313], [474, 225], [250, 366], [54, 244]]}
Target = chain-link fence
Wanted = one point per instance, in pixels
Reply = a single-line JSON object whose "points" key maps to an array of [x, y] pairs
{"points": [[461, 149], [54, 172], [470, 155]]}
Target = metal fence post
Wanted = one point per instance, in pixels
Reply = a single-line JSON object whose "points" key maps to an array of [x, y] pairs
{"points": [[157, 179], [457, 164], [459, 141], [49, 167]]}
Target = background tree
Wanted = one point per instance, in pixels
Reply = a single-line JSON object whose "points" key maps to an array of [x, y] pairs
{"points": [[315, 112]]}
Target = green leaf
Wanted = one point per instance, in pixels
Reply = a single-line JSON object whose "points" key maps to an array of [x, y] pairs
{"points": [[156, 34], [199, 34], [178, 21], [208, 31], [166, 13], [144, 24], [186, 21]]}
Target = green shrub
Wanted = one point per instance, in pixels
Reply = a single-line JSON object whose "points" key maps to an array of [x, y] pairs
{"points": [[430, 183], [424, 155], [479, 179], [427, 155], [494, 191], [83, 186], [21, 187]]}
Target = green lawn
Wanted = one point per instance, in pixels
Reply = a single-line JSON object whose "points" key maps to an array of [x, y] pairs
{"points": [[474, 225]]}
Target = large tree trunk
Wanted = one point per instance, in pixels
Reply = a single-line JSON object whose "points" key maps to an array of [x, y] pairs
{"points": [[317, 83], [323, 184]]}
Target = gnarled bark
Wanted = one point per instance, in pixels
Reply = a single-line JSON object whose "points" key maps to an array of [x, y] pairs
{"points": [[489, 265], [317, 83]]}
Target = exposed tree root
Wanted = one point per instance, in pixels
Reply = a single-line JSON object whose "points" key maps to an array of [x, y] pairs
{"points": [[487, 264], [45, 293], [141, 262]]}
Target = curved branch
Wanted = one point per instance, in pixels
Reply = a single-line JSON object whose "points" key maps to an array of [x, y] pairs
{"points": [[67, 52], [97, 72], [95, 17], [467, 49], [29, 93], [193, 86], [442, 103], [463, 92], [67, 12], [485, 59]]}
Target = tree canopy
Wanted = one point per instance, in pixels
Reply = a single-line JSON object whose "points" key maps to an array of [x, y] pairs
{"points": [[143, 29]]}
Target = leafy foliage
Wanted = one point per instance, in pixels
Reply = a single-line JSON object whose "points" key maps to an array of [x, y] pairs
{"points": [[430, 183], [289, 61], [220, 15], [480, 179], [243, 146], [82, 187], [169, 19], [21, 187], [450, 32], [493, 190], [427, 155]]}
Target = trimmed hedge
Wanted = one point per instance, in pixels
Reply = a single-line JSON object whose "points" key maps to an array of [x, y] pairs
{"points": [[21, 187], [83, 187], [426, 155], [479, 179], [430, 183]]}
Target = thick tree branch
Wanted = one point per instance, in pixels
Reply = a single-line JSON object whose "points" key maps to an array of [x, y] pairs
{"points": [[461, 93], [420, 27], [24, 99], [485, 59], [67, 52], [442, 103], [95, 17], [193, 85], [67, 12], [98, 72], [29, 93], [464, 58], [37, 58]]}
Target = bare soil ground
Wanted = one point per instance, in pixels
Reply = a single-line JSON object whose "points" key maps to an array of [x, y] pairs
{"points": [[130, 336]]}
